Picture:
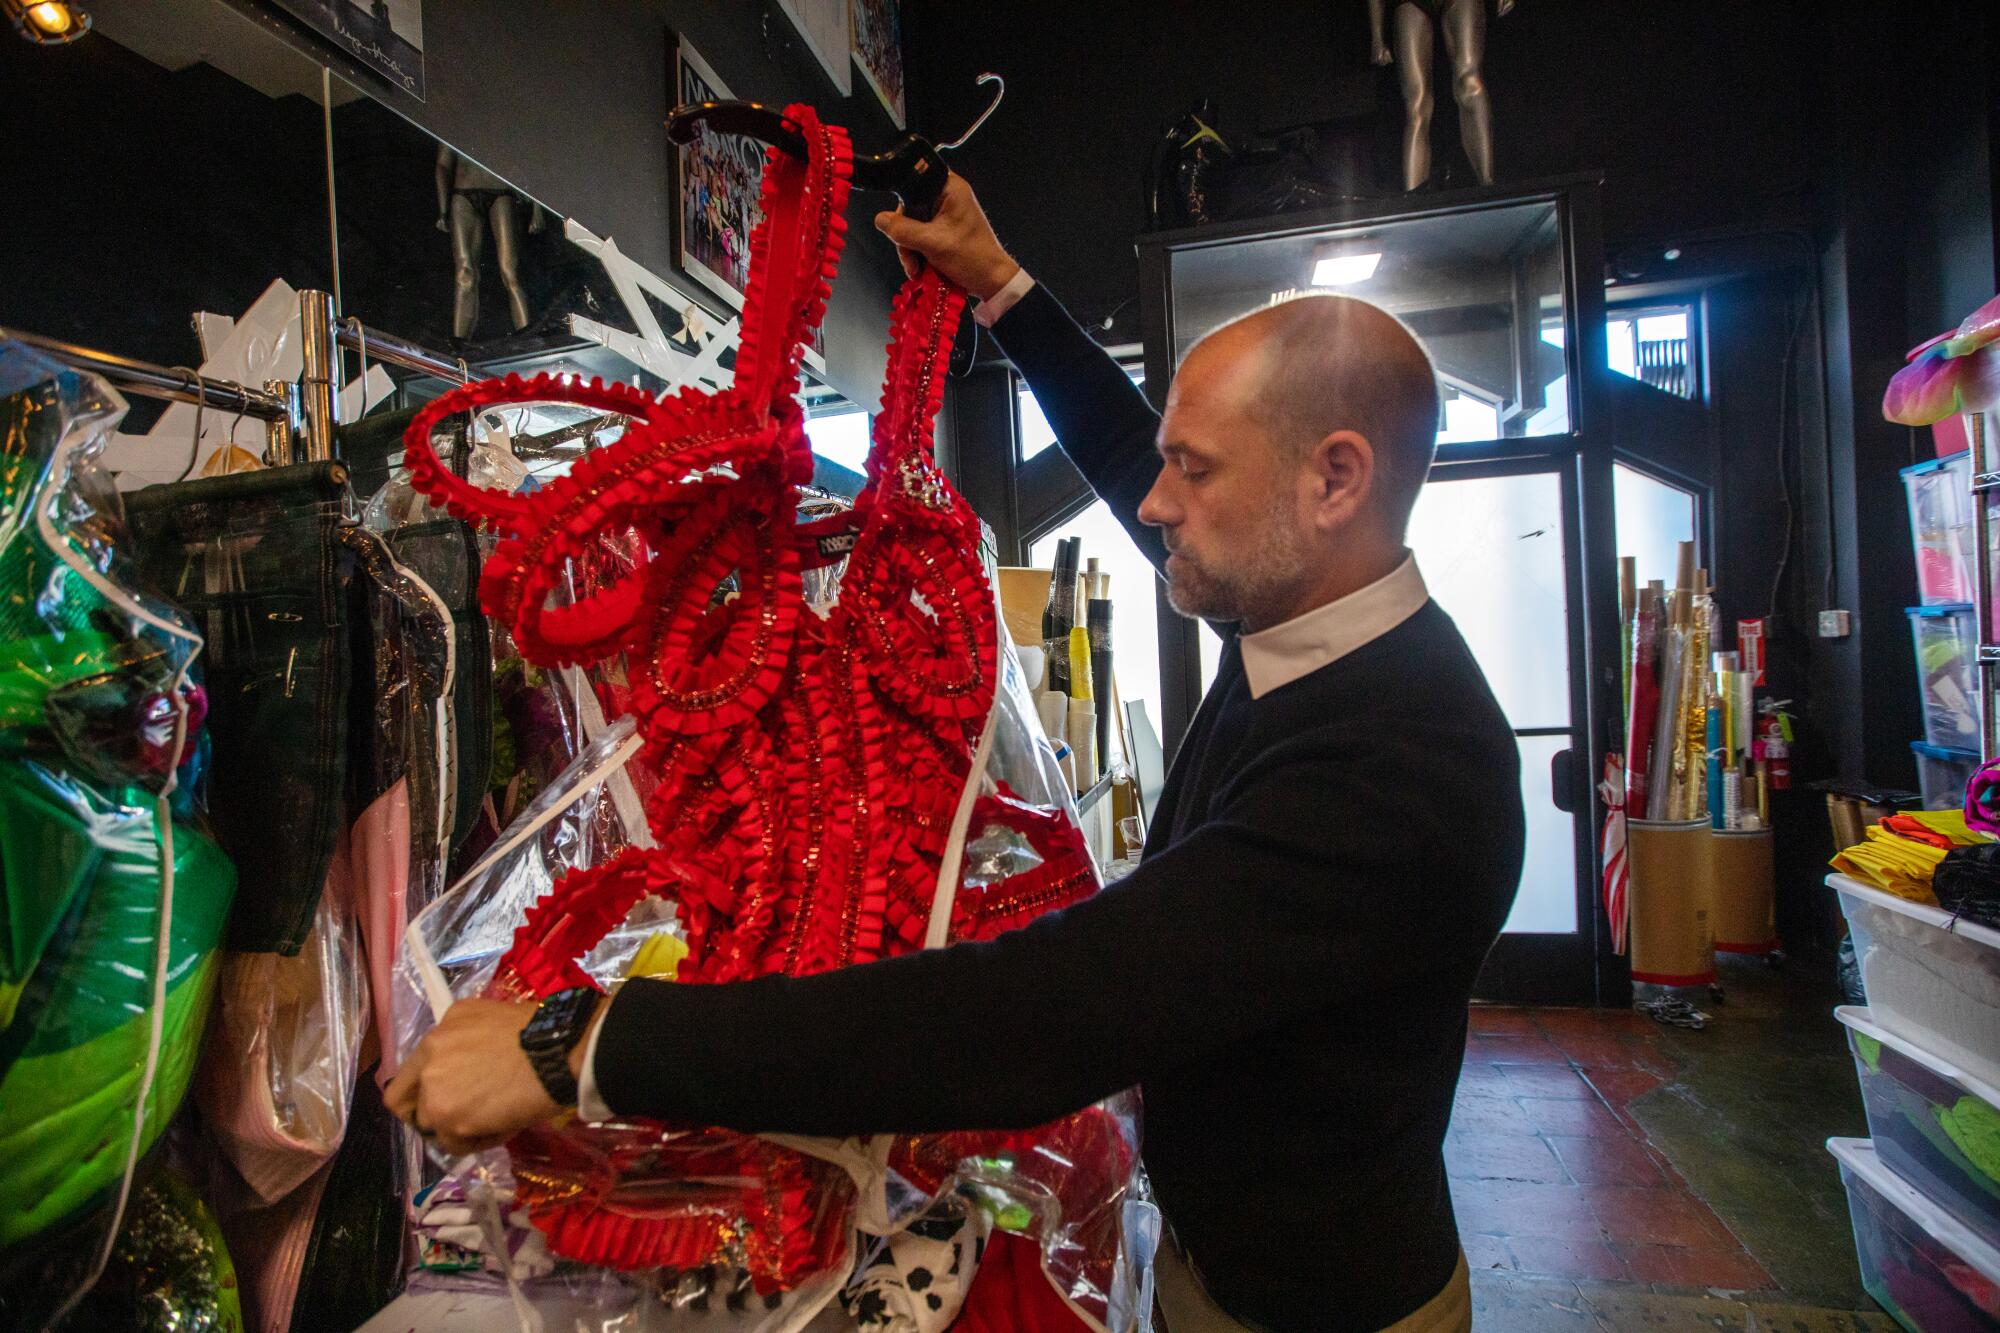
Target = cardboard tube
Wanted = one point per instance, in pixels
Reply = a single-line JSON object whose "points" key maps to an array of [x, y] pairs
{"points": [[1671, 936], [1083, 740], [1742, 876]]}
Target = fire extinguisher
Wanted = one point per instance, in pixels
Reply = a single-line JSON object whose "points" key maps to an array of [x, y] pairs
{"points": [[1774, 742]]}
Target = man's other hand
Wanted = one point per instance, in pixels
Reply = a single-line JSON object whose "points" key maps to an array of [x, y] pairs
{"points": [[468, 1086], [959, 242]]}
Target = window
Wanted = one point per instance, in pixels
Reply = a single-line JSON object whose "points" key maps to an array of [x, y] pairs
{"points": [[1655, 347], [1035, 432], [840, 437], [1135, 629], [1652, 519]]}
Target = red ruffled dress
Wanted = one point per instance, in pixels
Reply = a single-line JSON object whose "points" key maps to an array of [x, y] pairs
{"points": [[808, 767]]}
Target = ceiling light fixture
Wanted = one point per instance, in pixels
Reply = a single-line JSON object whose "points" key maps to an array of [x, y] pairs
{"points": [[49, 23], [1344, 270]]}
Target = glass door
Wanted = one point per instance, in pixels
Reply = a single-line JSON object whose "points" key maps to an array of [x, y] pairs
{"points": [[1498, 548]]}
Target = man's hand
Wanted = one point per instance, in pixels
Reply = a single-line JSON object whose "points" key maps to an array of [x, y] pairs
{"points": [[468, 1085], [959, 242]]}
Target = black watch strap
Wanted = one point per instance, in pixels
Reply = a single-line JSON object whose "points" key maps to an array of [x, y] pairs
{"points": [[559, 1023]]}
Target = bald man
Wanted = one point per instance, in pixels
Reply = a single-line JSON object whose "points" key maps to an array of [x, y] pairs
{"points": [[1287, 972]]}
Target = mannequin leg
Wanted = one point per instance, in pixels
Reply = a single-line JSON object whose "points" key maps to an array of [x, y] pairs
{"points": [[1465, 46], [506, 219], [1413, 68], [468, 241]]}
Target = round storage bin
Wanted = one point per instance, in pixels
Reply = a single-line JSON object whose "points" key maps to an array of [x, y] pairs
{"points": [[1672, 938]]}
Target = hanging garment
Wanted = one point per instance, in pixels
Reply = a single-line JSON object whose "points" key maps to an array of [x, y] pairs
{"points": [[96, 721], [257, 561], [810, 767]]}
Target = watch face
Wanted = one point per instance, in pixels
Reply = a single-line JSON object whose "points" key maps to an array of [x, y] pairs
{"points": [[559, 1020]]}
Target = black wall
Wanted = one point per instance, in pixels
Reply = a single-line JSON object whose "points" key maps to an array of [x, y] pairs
{"points": [[1696, 110], [1904, 224]]}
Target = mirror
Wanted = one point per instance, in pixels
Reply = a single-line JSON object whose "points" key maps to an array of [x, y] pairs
{"points": [[437, 248], [175, 160], [1482, 287]]}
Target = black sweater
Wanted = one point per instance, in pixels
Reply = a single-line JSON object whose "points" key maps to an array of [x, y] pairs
{"points": [[1286, 973]]}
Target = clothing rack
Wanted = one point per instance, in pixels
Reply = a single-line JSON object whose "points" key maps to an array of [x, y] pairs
{"points": [[276, 404], [299, 419]]}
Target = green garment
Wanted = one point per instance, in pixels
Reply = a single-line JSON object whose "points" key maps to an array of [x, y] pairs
{"points": [[83, 687]]}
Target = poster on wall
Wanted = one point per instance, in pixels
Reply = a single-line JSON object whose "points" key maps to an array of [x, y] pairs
{"points": [[717, 182], [822, 25], [877, 27], [386, 36]]}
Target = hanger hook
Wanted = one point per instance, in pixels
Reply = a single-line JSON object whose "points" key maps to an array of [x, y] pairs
{"points": [[999, 92]]}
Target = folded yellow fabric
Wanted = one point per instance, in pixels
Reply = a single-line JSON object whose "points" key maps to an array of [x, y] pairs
{"points": [[1892, 864], [1951, 823]]}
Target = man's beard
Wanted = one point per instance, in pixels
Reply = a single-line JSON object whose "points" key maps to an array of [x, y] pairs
{"points": [[1256, 588]]}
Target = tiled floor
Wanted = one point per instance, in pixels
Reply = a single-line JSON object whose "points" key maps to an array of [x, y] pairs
{"points": [[1611, 1173]]}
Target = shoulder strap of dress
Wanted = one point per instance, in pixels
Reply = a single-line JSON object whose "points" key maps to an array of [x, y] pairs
{"points": [[794, 253], [924, 319]]}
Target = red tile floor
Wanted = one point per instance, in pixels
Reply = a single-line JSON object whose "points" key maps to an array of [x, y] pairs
{"points": [[1550, 1174]]}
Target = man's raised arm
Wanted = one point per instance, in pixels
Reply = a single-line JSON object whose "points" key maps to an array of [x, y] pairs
{"points": [[1101, 419]]}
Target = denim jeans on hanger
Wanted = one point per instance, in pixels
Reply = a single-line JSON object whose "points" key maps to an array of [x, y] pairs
{"points": [[257, 562]]}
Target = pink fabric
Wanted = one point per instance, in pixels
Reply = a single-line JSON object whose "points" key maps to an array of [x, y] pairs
{"points": [[381, 853], [268, 1246], [270, 1008]]}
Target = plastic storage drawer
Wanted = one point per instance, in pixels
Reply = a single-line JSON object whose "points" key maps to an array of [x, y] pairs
{"points": [[1940, 498], [1942, 774], [1931, 979], [1934, 1125], [1932, 1274], [1947, 642]]}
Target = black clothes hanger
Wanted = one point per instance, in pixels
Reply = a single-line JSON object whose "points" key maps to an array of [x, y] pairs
{"points": [[914, 169]]}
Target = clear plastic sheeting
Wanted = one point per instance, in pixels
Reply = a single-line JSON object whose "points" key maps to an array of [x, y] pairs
{"points": [[278, 1074], [111, 904]]}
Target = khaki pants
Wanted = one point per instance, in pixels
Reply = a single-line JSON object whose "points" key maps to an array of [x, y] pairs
{"points": [[1187, 1308]]}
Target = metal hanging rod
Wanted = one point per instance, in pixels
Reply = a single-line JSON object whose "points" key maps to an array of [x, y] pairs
{"points": [[153, 381], [379, 346]]}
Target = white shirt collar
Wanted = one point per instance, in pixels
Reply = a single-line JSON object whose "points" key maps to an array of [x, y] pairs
{"points": [[1302, 645]]}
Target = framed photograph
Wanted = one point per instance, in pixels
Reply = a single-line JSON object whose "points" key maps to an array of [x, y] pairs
{"points": [[386, 36], [822, 25], [717, 179], [877, 27]]}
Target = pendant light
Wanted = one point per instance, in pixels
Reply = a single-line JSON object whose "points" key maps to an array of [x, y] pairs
{"points": [[47, 22]]}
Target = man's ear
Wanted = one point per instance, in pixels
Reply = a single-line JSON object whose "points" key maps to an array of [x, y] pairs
{"points": [[1341, 470]]}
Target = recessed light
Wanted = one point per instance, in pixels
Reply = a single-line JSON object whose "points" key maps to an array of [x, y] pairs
{"points": [[1673, 254], [1344, 270]]}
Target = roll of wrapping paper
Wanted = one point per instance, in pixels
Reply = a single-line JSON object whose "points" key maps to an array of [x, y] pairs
{"points": [[1083, 742], [1712, 733], [1628, 606], [1643, 699], [1745, 713], [1099, 617], [1691, 764], [1079, 663], [1666, 722], [1062, 611]]}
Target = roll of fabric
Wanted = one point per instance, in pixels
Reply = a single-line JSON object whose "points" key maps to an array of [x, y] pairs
{"points": [[1982, 799]]}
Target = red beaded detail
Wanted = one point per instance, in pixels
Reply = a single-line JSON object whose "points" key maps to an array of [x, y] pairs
{"points": [[807, 766]]}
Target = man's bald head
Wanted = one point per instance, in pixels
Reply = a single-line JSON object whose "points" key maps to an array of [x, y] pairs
{"points": [[1327, 363]]}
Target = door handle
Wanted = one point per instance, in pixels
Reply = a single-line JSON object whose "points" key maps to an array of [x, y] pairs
{"points": [[1562, 780]]}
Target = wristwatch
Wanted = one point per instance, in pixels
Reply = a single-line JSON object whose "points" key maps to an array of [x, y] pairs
{"points": [[558, 1025]]}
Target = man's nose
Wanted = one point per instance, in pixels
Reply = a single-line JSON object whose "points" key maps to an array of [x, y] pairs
{"points": [[1158, 509]]}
